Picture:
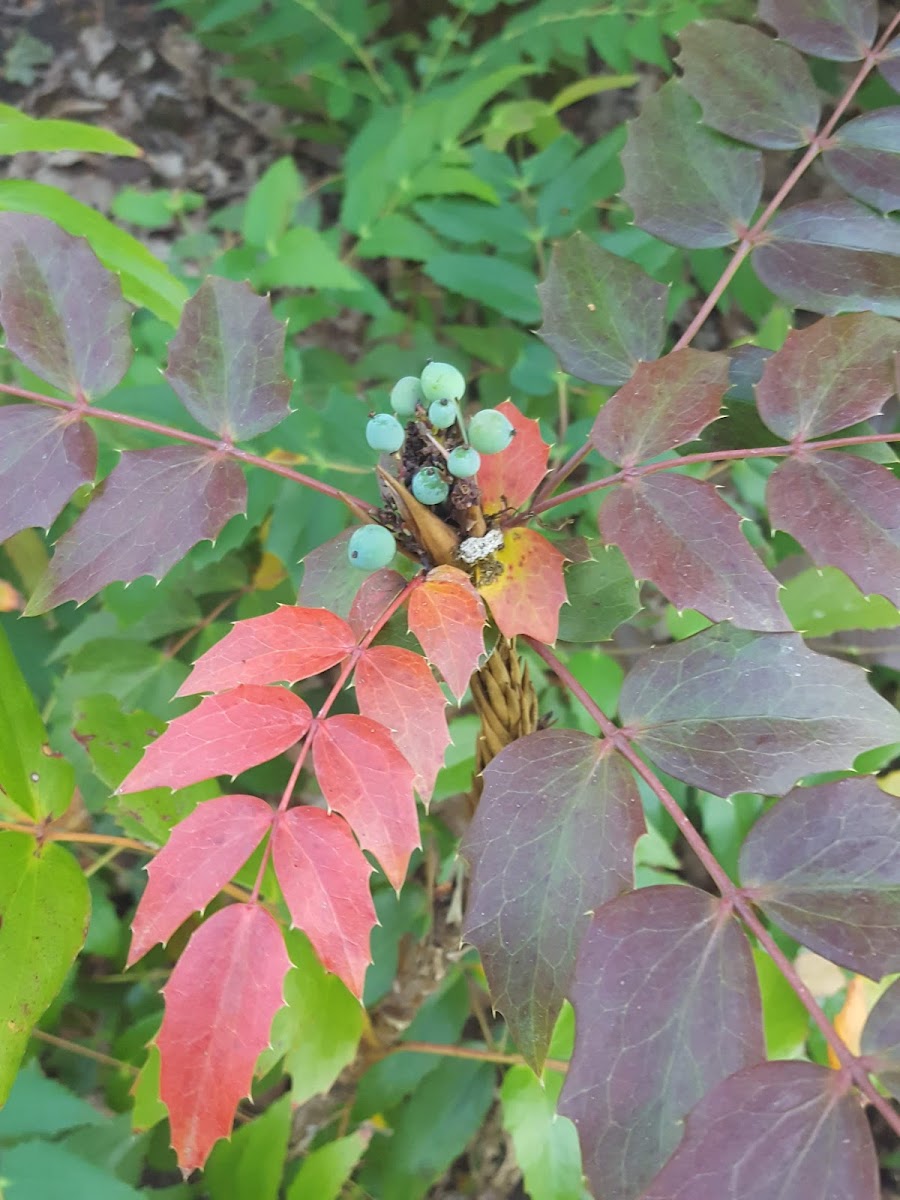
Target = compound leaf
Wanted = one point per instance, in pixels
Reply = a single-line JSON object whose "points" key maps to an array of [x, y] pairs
{"points": [[152, 508], [667, 1006], [881, 1039], [842, 30], [732, 711], [824, 864], [447, 616], [226, 362], [223, 735], [507, 479], [552, 839], [527, 596], [203, 853], [864, 158]]}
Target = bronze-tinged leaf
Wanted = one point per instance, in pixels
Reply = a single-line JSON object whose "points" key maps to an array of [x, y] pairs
{"points": [[842, 30], [666, 1006], [829, 376], [602, 314], [447, 616], [685, 183], [149, 511], [881, 1039], [864, 158], [824, 864], [663, 405], [220, 1001], [733, 711], [377, 593], [527, 596], [330, 580], [788, 1129], [62, 312], [507, 479], [283, 646], [748, 85], [44, 457], [680, 534], [845, 511], [553, 839], [226, 362]]}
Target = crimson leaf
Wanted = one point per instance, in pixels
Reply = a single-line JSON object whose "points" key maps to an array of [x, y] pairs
{"points": [[881, 1039], [733, 711], [44, 457], [824, 864], [838, 29], [447, 616], [507, 479], [226, 362], [553, 838], [864, 158], [667, 1006]]}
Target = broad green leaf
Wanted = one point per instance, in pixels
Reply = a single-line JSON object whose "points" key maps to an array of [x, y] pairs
{"points": [[450, 181], [733, 711], [785, 1019], [837, 29], [226, 362], [45, 906], [62, 312], [249, 1166], [823, 601], [398, 236], [20, 133], [685, 183], [824, 864], [145, 280], [748, 85], [666, 1006], [493, 282], [546, 1145], [38, 1105], [33, 780], [552, 840], [881, 1039], [602, 593], [864, 157], [591, 85], [603, 315], [49, 1170], [302, 258], [324, 1171], [271, 204]]}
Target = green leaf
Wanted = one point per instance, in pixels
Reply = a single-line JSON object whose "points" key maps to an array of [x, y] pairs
{"points": [[324, 1172], [451, 181], [45, 903], [249, 1166], [148, 1109], [21, 133], [591, 85], [493, 282], [546, 1145], [271, 204], [38, 1105], [145, 280], [302, 258], [32, 780], [398, 236], [785, 1020], [45, 1169], [602, 593], [823, 602]]}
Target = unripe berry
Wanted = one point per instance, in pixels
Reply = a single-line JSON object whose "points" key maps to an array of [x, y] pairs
{"points": [[429, 487], [384, 432], [463, 462], [442, 381], [490, 431], [443, 413], [405, 395], [371, 547]]}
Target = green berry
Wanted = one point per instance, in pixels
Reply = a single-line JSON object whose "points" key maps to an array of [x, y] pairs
{"points": [[463, 462], [405, 395], [385, 432], [490, 431], [441, 381], [443, 413], [429, 487], [371, 547]]}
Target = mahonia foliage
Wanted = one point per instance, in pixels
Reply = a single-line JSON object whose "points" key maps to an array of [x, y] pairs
{"points": [[669, 1081]]}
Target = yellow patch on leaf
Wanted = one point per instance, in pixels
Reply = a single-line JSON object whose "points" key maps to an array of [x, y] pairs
{"points": [[526, 596]]}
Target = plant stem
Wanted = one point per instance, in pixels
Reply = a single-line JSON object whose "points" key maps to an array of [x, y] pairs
{"points": [[731, 894], [353, 44], [493, 1056], [84, 1051]]}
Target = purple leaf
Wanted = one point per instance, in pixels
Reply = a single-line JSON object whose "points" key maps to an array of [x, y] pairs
{"points": [[829, 376], [864, 157], [146, 515], [602, 314], [749, 86], [667, 1006], [832, 256], [681, 535], [61, 310], [881, 1039], [790, 1130], [731, 711], [664, 404], [44, 457], [824, 865], [842, 30], [685, 183], [226, 362], [553, 839], [889, 64], [845, 511]]}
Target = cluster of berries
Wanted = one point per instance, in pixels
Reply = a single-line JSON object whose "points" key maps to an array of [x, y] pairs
{"points": [[434, 398]]}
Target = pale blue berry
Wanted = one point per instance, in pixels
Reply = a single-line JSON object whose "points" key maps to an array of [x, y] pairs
{"points": [[463, 462], [384, 432], [405, 395], [429, 486], [442, 381], [371, 547], [443, 413], [490, 431]]}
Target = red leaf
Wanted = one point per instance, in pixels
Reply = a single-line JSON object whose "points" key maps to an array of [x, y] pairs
{"points": [[666, 403], [447, 616], [365, 778], [220, 1001], [204, 852], [223, 735], [507, 479], [288, 644], [376, 593], [149, 511], [396, 688], [527, 597], [324, 878], [681, 535]]}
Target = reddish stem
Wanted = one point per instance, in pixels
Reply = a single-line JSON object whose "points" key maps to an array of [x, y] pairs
{"points": [[732, 895]]}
